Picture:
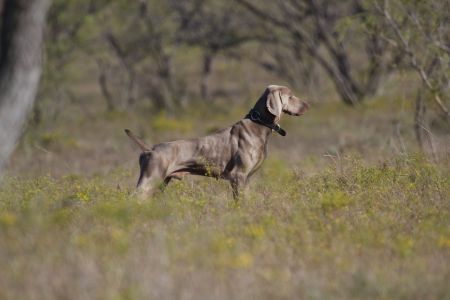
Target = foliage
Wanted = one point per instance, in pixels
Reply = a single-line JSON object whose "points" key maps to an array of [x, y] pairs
{"points": [[171, 55], [357, 231]]}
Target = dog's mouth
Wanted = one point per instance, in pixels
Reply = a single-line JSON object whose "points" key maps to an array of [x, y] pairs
{"points": [[300, 113], [303, 109]]}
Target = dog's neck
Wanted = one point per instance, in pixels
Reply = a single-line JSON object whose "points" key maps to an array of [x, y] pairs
{"points": [[258, 130], [260, 115], [261, 108]]}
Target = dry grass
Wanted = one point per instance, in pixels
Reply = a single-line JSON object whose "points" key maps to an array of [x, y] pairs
{"points": [[342, 209], [351, 231]]}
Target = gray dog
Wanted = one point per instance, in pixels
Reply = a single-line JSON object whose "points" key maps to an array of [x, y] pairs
{"points": [[233, 153]]}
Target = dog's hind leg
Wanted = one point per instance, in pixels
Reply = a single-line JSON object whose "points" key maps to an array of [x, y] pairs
{"points": [[150, 175]]}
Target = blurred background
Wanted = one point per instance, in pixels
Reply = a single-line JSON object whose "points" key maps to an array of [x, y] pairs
{"points": [[376, 74], [352, 204]]}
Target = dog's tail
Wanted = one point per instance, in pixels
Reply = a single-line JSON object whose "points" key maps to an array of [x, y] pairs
{"points": [[137, 141]]}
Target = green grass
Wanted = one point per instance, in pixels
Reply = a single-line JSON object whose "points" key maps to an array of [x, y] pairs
{"points": [[356, 231]]}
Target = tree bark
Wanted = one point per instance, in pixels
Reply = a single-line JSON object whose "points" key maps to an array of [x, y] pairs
{"points": [[206, 72], [20, 67], [419, 119]]}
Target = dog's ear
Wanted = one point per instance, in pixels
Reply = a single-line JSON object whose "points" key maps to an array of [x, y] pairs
{"points": [[274, 102]]}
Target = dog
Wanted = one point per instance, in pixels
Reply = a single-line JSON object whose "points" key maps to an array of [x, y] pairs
{"points": [[233, 153]]}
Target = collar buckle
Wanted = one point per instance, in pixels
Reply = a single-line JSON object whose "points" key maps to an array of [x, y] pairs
{"points": [[255, 115]]}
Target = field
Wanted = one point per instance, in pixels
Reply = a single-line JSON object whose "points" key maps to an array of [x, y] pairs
{"points": [[355, 231], [343, 208]]}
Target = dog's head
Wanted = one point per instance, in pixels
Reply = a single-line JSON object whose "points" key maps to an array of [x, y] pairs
{"points": [[280, 99]]}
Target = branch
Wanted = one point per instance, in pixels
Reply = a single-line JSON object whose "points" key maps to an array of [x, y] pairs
{"points": [[412, 56], [260, 13]]}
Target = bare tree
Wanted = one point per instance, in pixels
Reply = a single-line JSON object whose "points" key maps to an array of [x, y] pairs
{"points": [[215, 27], [68, 33], [20, 67], [133, 56], [419, 30], [303, 30]]}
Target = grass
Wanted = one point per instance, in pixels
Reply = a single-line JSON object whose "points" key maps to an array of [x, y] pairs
{"points": [[340, 210], [353, 230]]}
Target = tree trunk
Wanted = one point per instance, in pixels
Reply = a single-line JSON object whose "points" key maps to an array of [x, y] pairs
{"points": [[20, 67], [102, 82], [206, 71], [419, 119]]}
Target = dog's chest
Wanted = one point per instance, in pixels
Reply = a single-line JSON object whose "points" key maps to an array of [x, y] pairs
{"points": [[259, 157]]}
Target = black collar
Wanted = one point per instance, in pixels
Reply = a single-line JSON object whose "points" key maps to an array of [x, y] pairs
{"points": [[256, 117]]}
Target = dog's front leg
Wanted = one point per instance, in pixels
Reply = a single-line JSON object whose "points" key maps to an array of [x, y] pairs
{"points": [[238, 182]]}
